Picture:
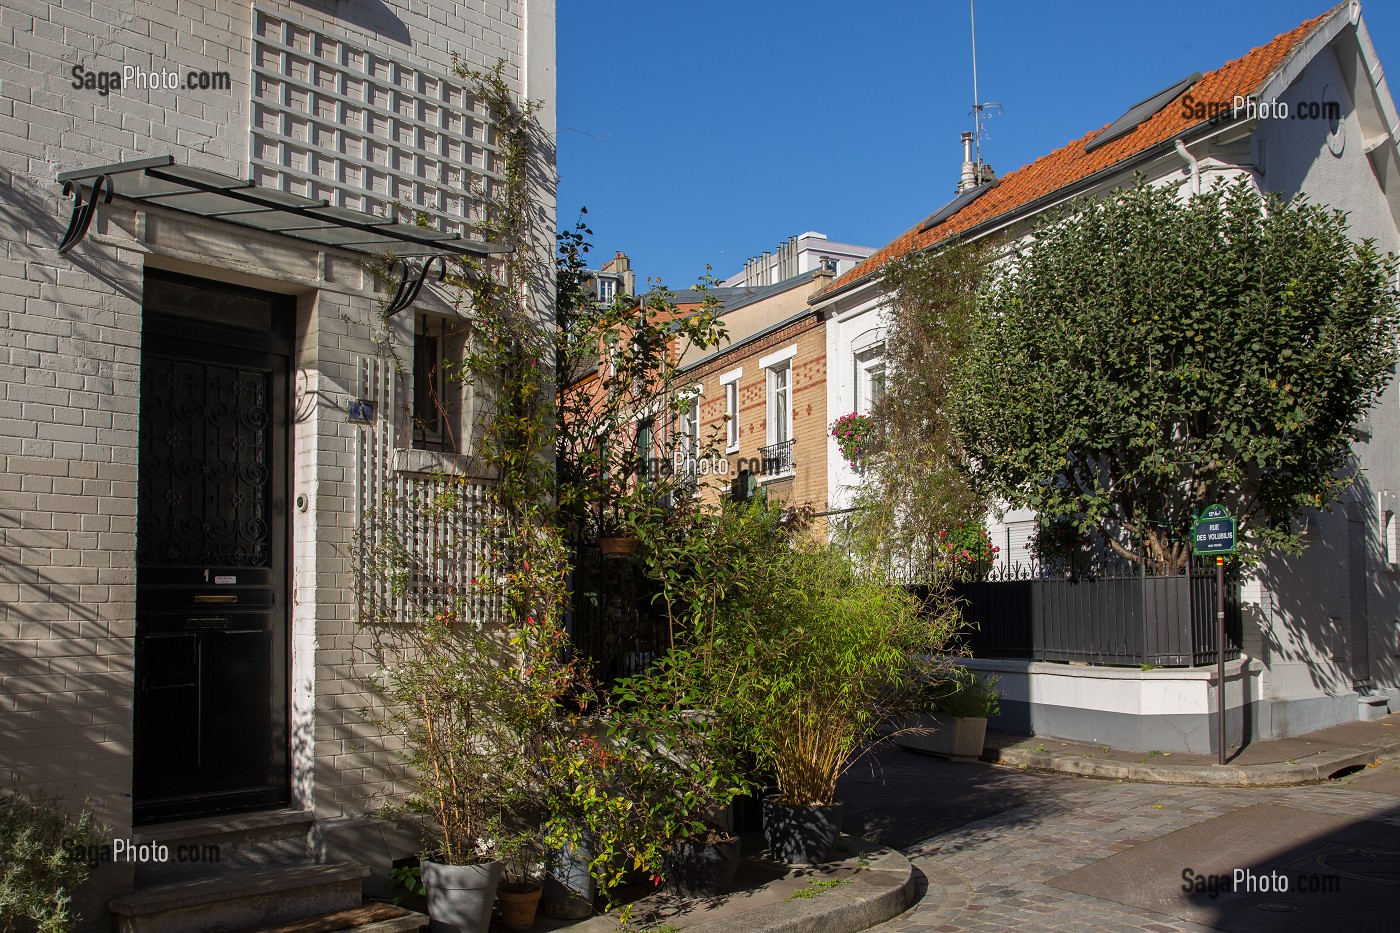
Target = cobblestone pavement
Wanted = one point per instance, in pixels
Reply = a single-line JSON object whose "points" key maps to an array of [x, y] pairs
{"points": [[998, 869]]}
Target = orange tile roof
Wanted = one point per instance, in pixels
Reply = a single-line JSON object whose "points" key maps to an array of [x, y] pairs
{"points": [[1069, 164]]}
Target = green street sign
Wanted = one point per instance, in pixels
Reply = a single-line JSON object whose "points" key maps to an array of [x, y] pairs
{"points": [[1214, 533]]}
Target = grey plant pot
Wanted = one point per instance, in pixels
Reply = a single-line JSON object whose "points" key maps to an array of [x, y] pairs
{"points": [[568, 887], [699, 869], [460, 897], [799, 834], [957, 738]]}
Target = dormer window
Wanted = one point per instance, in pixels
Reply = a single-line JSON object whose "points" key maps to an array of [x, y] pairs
{"points": [[607, 291]]}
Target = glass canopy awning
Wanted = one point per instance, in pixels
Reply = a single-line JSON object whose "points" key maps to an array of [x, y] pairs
{"points": [[160, 182]]}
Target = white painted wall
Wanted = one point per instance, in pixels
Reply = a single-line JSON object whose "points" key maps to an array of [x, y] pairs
{"points": [[1299, 611]]}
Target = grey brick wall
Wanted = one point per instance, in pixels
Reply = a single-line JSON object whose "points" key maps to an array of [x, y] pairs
{"points": [[70, 365]]}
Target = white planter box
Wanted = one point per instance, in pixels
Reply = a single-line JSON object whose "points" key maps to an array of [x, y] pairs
{"points": [[957, 738]]}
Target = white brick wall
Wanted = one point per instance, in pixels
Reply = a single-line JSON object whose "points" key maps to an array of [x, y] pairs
{"points": [[70, 367]]}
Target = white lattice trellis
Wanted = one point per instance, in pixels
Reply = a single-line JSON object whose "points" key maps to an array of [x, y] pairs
{"points": [[430, 528], [336, 120]]}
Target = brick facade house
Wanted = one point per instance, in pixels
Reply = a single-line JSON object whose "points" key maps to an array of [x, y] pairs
{"points": [[763, 395]]}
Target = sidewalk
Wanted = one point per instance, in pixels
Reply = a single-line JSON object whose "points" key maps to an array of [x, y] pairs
{"points": [[1305, 759]]}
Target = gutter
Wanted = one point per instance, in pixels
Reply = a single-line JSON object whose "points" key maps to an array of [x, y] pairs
{"points": [[1193, 163]]}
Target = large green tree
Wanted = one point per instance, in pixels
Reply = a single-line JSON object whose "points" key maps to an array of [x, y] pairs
{"points": [[1146, 356]]}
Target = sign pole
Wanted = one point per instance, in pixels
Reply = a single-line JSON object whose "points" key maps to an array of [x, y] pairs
{"points": [[1220, 655], [1214, 534]]}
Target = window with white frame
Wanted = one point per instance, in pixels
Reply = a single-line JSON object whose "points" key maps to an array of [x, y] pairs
{"points": [[780, 403], [870, 378], [1391, 538], [730, 381], [777, 455], [731, 410], [690, 423], [607, 290]]}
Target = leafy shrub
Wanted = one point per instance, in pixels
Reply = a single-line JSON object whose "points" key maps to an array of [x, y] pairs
{"points": [[964, 693], [44, 856], [817, 661]]}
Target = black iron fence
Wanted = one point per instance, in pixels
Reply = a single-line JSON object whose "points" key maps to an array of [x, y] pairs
{"points": [[615, 621], [1107, 614]]}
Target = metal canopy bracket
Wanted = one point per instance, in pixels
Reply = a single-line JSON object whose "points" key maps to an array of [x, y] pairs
{"points": [[410, 286], [81, 218], [159, 182]]}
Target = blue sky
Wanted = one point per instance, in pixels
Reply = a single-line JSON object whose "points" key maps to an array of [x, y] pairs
{"points": [[707, 132]]}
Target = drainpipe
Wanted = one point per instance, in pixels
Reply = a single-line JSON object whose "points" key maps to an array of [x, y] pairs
{"points": [[1195, 165]]}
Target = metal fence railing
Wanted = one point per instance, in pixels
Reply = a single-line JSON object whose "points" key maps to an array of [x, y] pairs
{"points": [[1120, 615]]}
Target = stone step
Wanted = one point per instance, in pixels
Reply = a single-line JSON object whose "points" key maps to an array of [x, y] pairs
{"points": [[217, 845], [367, 918], [240, 899]]}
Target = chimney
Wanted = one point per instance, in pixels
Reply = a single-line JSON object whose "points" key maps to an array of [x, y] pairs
{"points": [[622, 266], [969, 177]]}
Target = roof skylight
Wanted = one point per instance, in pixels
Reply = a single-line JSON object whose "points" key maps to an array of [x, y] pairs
{"points": [[1140, 112]]}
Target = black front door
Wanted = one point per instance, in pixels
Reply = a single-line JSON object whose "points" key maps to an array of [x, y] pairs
{"points": [[212, 550]]}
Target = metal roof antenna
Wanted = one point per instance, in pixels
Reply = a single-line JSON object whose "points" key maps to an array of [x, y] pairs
{"points": [[981, 173]]}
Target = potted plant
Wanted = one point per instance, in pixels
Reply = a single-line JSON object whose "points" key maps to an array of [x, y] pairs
{"points": [[445, 705], [616, 536], [646, 785], [690, 776], [951, 719], [518, 894], [855, 435], [819, 656], [472, 707]]}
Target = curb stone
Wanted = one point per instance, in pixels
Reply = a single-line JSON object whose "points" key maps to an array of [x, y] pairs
{"points": [[880, 891], [1313, 769]]}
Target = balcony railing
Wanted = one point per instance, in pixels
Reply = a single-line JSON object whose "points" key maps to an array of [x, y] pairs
{"points": [[776, 459]]}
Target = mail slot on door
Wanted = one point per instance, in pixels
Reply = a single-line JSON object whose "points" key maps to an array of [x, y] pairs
{"points": [[218, 622], [233, 598]]}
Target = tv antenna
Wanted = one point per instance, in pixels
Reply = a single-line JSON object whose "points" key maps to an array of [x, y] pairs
{"points": [[978, 105]]}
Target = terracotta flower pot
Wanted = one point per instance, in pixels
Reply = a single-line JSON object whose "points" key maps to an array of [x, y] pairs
{"points": [[519, 902]]}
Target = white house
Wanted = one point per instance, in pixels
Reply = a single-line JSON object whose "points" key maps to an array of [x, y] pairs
{"points": [[201, 398], [1320, 642]]}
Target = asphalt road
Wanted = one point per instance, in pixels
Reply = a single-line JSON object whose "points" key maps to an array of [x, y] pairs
{"points": [[1002, 849]]}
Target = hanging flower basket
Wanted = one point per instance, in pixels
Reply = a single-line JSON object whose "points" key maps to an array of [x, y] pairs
{"points": [[854, 434]]}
